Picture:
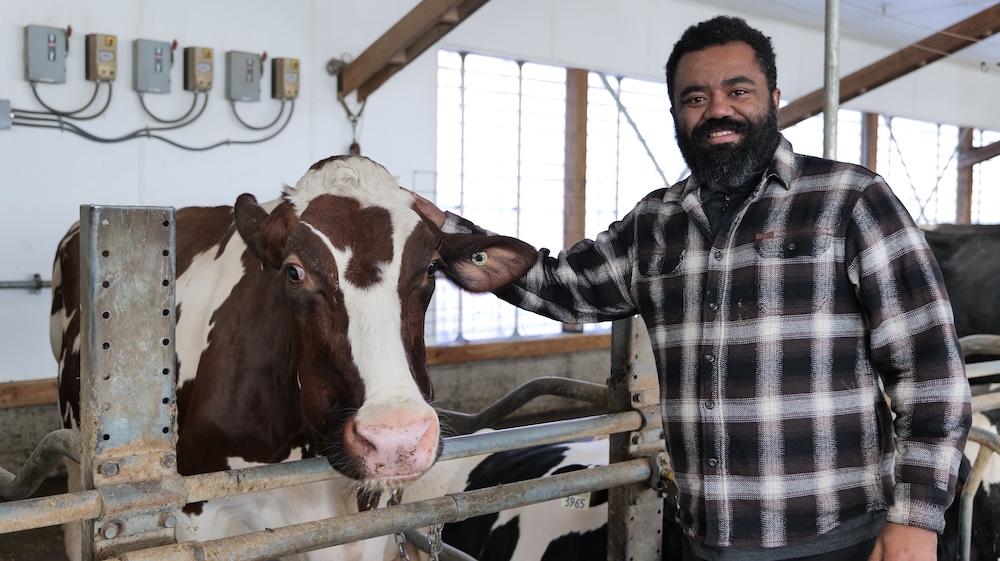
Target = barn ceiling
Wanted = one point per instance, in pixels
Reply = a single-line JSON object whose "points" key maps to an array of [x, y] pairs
{"points": [[896, 23]]}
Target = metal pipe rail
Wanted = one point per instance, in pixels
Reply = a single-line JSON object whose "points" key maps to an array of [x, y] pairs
{"points": [[989, 444], [35, 285], [51, 450], [87, 505], [299, 538], [980, 344], [465, 423]]}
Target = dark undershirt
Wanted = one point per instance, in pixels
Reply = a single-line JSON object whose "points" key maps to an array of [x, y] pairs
{"points": [[721, 204]]}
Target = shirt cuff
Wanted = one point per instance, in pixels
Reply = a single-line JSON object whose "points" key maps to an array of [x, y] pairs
{"points": [[911, 507]]}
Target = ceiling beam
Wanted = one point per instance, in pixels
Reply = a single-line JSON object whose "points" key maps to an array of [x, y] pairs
{"points": [[970, 157], [900, 63], [424, 25]]}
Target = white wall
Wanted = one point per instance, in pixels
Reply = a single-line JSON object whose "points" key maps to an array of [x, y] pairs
{"points": [[45, 175]]}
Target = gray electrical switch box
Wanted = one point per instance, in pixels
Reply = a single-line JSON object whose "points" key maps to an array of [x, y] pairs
{"points": [[5, 120], [243, 76], [151, 64], [44, 54]]}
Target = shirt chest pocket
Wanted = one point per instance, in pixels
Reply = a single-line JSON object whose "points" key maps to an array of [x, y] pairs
{"points": [[661, 260], [793, 245], [797, 271]]}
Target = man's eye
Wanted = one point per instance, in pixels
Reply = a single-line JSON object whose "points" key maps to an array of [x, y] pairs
{"points": [[740, 93], [694, 100], [433, 268], [295, 273]]}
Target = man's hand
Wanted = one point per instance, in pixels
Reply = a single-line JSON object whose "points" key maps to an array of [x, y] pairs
{"points": [[904, 543], [428, 209]]}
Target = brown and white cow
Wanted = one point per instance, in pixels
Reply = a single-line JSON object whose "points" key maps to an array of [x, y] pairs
{"points": [[300, 332]]}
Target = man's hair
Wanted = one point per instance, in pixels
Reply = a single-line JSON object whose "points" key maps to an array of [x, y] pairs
{"points": [[721, 30]]}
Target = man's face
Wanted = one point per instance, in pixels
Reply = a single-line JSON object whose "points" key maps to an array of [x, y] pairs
{"points": [[725, 117]]}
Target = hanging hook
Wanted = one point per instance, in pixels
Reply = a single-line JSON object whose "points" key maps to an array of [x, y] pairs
{"points": [[353, 118]]}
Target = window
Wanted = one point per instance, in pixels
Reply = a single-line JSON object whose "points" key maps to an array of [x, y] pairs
{"points": [[807, 136], [919, 161], [619, 170], [986, 182], [500, 162]]}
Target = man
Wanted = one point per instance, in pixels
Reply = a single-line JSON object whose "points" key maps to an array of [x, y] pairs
{"points": [[782, 293]]}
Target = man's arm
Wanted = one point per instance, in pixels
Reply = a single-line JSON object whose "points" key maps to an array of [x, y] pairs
{"points": [[589, 282], [914, 349]]}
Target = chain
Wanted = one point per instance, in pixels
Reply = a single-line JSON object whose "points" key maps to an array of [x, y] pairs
{"points": [[436, 543], [396, 497]]}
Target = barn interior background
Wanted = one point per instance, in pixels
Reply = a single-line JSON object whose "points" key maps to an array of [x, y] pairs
{"points": [[437, 125]]}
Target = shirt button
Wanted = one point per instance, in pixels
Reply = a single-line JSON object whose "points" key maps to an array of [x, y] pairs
{"points": [[791, 246], [712, 462], [709, 404], [717, 254], [710, 358], [713, 306]]}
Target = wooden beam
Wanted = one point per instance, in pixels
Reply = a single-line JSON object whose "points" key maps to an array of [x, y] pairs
{"points": [[46, 391], [423, 26], [963, 195], [575, 164], [869, 140], [32, 392], [973, 156], [518, 349], [900, 63]]}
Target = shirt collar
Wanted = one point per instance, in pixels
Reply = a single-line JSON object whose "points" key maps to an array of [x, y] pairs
{"points": [[782, 168]]}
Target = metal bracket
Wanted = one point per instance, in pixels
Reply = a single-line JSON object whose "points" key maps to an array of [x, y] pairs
{"points": [[635, 512], [127, 404]]}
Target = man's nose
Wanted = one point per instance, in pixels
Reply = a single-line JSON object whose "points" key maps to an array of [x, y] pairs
{"points": [[719, 107]]}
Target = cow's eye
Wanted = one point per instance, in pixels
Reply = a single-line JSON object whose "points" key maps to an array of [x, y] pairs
{"points": [[479, 258], [433, 268], [295, 273]]}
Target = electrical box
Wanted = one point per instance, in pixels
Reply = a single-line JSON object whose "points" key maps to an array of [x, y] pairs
{"points": [[102, 57], [243, 76], [151, 64], [198, 68], [45, 54], [5, 120], [285, 78]]}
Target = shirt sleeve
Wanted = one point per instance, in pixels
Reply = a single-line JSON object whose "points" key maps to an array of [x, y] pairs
{"points": [[589, 282], [914, 349]]}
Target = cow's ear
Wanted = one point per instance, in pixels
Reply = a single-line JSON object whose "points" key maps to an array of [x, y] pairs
{"points": [[265, 234], [480, 263]]}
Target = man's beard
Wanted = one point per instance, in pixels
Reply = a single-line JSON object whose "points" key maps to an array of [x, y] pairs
{"points": [[730, 165]]}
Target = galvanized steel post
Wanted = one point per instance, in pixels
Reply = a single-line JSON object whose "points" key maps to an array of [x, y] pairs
{"points": [[831, 79], [635, 512], [127, 405]]}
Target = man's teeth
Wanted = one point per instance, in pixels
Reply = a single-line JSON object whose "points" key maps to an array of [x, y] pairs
{"points": [[719, 133]]}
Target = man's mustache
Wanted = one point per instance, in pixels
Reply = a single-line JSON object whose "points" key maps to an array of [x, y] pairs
{"points": [[702, 131]]}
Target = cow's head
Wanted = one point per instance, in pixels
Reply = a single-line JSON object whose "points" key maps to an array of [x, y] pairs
{"points": [[358, 266]]}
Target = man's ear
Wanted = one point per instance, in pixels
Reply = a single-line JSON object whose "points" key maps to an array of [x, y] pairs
{"points": [[265, 234], [776, 97], [481, 263]]}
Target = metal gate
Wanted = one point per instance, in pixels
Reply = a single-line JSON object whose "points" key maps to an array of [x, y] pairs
{"points": [[127, 437]]}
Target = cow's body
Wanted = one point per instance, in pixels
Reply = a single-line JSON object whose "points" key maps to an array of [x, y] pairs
{"points": [[300, 333], [969, 257]]}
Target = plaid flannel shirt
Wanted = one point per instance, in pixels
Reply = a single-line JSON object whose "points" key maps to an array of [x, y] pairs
{"points": [[780, 344]]}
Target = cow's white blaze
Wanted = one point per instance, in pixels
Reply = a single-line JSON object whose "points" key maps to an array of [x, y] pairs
{"points": [[374, 331]]}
